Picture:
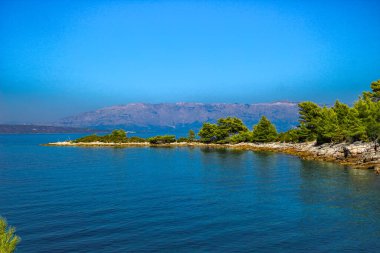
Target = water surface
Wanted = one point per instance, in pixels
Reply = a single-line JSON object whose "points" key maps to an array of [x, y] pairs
{"points": [[75, 199]]}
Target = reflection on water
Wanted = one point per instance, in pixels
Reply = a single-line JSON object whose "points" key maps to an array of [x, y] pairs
{"points": [[336, 186], [67, 199]]}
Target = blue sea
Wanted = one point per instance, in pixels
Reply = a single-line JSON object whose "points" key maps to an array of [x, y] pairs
{"points": [[76, 199]]}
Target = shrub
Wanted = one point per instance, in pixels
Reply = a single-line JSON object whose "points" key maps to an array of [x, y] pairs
{"points": [[191, 135], [116, 136], [240, 137], [90, 138], [164, 139], [183, 139], [136, 139], [292, 135]]}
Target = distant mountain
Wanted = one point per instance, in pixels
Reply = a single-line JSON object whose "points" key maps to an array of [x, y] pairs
{"points": [[29, 129], [182, 115]]}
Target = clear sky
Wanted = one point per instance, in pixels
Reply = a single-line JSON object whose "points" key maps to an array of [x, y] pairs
{"points": [[59, 58]]}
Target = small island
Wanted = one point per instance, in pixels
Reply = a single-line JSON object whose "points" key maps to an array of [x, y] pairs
{"points": [[343, 134]]}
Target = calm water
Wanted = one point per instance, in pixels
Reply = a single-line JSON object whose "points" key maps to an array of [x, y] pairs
{"points": [[68, 199]]}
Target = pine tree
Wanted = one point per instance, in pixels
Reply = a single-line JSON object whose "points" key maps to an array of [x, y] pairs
{"points": [[375, 86], [231, 126], [220, 132], [310, 115], [327, 129], [369, 114], [264, 131], [191, 135], [209, 133], [8, 239], [350, 125]]}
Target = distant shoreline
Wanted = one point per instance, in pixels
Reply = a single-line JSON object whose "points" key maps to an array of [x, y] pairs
{"points": [[357, 155], [44, 129]]}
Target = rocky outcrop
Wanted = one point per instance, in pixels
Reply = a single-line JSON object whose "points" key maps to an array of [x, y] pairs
{"points": [[358, 154]]}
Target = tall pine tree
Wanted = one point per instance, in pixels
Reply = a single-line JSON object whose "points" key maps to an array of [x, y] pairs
{"points": [[264, 131]]}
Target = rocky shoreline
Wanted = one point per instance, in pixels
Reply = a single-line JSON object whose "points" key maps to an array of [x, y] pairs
{"points": [[358, 154]]}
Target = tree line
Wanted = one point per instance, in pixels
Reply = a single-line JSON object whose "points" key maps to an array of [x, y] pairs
{"points": [[339, 123]]}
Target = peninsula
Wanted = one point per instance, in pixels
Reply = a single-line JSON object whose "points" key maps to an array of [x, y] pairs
{"points": [[343, 134]]}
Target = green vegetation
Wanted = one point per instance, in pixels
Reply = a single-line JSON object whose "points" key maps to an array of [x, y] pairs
{"points": [[222, 130], [8, 239], [191, 135], [264, 131], [117, 136], [209, 133], [136, 139], [240, 137], [339, 123], [164, 139], [233, 130], [183, 139]]}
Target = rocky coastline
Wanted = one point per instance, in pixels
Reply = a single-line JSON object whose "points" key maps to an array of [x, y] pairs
{"points": [[358, 155]]}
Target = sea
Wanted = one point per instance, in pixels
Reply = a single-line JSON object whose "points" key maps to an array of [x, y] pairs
{"points": [[181, 199]]}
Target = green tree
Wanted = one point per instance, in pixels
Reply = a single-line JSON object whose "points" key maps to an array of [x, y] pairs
{"points": [[209, 133], [240, 137], [264, 131], [375, 86], [231, 125], [373, 133], [292, 135], [119, 133], [374, 95], [369, 114], [310, 115], [327, 129], [89, 138], [350, 125], [191, 135], [222, 130], [8, 239], [183, 139], [164, 139]]}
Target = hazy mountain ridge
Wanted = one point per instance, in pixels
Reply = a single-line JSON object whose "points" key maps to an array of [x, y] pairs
{"points": [[173, 115], [30, 129]]}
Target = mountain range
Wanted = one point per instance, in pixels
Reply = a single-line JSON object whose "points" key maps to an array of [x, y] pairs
{"points": [[145, 116]]}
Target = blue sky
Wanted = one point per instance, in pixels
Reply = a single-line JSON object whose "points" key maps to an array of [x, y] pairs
{"points": [[58, 58]]}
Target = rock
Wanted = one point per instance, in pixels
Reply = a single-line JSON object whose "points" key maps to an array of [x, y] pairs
{"points": [[346, 152]]}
